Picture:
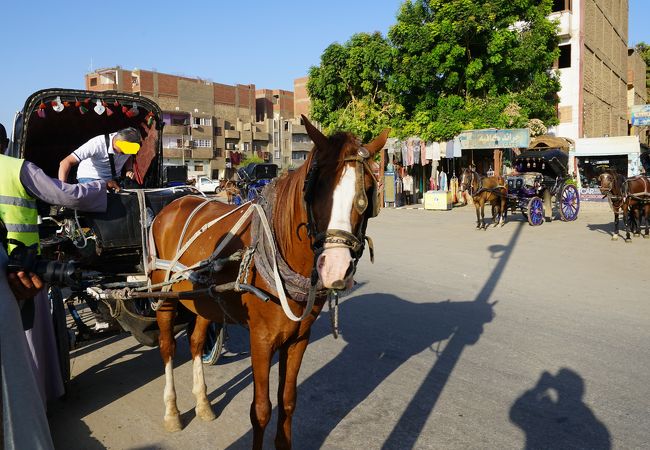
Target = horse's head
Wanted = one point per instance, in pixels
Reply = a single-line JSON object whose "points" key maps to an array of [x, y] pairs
{"points": [[608, 182], [466, 180], [341, 194]]}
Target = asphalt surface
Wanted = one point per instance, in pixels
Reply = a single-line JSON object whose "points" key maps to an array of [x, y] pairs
{"points": [[455, 338]]}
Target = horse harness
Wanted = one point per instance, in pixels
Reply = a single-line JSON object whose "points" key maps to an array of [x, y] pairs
{"points": [[479, 190], [336, 237]]}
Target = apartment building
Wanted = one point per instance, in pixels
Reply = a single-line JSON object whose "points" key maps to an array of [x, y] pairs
{"points": [[208, 125]]}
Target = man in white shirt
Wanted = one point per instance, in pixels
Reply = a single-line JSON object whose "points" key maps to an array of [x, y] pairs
{"points": [[102, 157]]}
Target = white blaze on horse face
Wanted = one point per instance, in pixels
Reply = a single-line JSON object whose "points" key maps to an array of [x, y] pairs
{"points": [[333, 263]]}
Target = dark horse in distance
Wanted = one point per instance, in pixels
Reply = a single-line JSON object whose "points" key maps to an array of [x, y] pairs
{"points": [[483, 190], [308, 231]]}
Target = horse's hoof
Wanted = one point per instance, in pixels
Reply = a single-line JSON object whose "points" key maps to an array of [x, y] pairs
{"points": [[628, 241], [645, 236], [205, 413], [173, 423], [637, 235], [615, 238]]}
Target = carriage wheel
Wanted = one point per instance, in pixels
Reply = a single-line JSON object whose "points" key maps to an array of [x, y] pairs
{"points": [[535, 211], [569, 203], [213, 346], [252, 194], [62, 337]]}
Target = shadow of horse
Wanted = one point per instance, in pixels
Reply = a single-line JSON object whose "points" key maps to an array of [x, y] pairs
{"points": [[382, 332], [100, 385], [553, 415]]}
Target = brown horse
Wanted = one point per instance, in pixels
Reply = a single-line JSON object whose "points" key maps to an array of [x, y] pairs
{"points": [[483, 190], [317, 218], [610, 184], [636, 206]]}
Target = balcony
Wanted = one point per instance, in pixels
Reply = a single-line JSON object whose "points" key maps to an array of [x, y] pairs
{"points": [[301, 146], [260, 136], [202, 153], [175, 129], [564, 19], [172, 152], [231, 134]]}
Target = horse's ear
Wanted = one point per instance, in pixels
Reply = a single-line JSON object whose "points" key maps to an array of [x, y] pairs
{"points": [[378, 143], [314, 133]]}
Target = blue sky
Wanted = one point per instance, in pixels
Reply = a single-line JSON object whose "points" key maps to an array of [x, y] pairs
{"points": [[47, 44]]}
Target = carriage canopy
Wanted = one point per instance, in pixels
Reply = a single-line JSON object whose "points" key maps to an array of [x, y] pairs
{"points": [[257, 171], [551, 162]]}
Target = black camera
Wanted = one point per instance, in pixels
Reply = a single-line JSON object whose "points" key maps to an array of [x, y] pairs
{"points": [[26, 258]]}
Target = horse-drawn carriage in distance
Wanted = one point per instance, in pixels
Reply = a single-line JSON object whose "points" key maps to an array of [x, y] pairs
{"points": [[111, 245], [252, 179], [542, 182]]}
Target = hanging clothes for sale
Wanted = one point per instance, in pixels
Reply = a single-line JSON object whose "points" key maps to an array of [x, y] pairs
{"points": [[423, 153], [436, 151], [405, 154], [457, 148], [428, 152], [453, 187], [442, 181]]}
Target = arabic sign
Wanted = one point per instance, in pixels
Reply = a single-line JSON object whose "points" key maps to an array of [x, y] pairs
{"points": [[512, 138], [640, 115]]}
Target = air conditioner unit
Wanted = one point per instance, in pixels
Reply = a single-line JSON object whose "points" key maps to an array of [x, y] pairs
{"points": [[195, 125]]}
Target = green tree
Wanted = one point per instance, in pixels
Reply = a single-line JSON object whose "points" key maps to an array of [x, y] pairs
{"points": [[348, 88], [446, 66], [462, 64], [249, 160]]}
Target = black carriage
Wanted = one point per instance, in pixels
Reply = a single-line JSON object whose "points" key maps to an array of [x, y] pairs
{"points": [[113, 244], [541, 181], [252, 179]]}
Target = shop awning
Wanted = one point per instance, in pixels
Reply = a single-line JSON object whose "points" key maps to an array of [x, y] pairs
{"points": [[616, 145]]}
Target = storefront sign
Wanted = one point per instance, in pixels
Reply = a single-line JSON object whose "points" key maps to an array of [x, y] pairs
{"points": [[477, 139], [591, 195], [640, 115]]}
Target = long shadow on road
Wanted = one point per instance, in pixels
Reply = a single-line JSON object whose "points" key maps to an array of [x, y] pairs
{"points": [[382, 332]]}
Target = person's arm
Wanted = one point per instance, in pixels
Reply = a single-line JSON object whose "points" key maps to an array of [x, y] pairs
{"points": [[66, 165], [85, 197]]}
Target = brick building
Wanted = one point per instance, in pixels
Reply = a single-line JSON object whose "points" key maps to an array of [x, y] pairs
{"points": [[206, 123]]}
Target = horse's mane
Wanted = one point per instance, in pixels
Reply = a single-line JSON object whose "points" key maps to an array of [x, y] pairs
{"points": [[289, 215]]}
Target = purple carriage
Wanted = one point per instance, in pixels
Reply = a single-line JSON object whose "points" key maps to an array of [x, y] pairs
{"points": [[541, 183]]}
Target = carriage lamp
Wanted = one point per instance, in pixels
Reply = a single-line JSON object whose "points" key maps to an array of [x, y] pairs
{"points": [[99, 108]]}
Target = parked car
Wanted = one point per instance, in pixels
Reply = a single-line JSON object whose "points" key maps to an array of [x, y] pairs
{"points": [[207, 185]]}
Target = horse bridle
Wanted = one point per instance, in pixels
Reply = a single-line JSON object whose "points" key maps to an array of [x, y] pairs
{"points": [[336, 237], [472, 176]]}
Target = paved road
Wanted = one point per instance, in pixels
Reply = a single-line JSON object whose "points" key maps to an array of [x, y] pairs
{"points": [[454, 339]]}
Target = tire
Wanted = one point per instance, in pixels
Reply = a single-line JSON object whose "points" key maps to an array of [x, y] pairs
{"points": [[535, 211], [61, 335], [213, 346], [568, 203]]}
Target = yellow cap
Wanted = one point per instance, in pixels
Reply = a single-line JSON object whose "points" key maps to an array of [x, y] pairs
{"points": [[128, 148]]}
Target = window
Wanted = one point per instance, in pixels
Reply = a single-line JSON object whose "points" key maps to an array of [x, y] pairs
{"points": [[277, 154], [135, 81], [179, 143], [218, 153], [564, 61], [230, 146], [218, 131], [276, 139], [202, 143], [198, 168], [561, 5], [247, 146], [286, 126], [93, 81]]}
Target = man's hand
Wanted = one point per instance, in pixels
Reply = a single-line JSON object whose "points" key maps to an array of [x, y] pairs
{"points": [[130, 174], [113, 185], [24, 285]]}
